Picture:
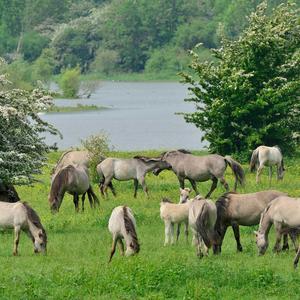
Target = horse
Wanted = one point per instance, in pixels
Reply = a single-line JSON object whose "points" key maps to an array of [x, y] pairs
{"points": [[284, 213], [122, 169], [75, 181], [172, 213], [201, 168], [202, 219], [20, 216], [122, 225], [242, 209], [267, 156], [72, 157]]}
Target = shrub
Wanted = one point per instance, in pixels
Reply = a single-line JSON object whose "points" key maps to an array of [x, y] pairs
{"points": [[70, 83], [105, 62], [98, 146]]}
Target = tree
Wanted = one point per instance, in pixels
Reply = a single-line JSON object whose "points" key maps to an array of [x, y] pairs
{"points": [[250, 95], [22, 149]]}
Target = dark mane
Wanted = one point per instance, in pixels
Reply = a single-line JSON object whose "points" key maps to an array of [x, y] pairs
{"points": [[35, 219], [130, 229], [184, 151], [166, 200], [59, 181], [147, 159]]}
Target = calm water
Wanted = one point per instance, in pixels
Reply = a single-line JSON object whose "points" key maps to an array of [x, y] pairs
{"points": [[142, 116]]}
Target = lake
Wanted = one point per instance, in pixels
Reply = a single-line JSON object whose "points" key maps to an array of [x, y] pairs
{"points": [[141, 116]]}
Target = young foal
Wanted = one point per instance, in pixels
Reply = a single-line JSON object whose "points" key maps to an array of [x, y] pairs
{"points": [[122, 225], [267, 156], [21, 216]]}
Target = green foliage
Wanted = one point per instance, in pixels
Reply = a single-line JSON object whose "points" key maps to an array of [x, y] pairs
{"points": [[22, 151], [69, 82], [250, 96], [98, 146], [105, 62], [33, 44]]}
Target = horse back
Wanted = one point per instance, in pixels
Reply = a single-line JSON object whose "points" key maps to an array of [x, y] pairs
{"points": [[12, 214]]}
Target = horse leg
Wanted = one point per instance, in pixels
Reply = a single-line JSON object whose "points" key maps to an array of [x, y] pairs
{"points": [[213, 186], [113, 248], [17, 239], [75, 200], [297, 258], [167, 232], [285, 245], [172, 233], [270, 175], [277, 227], [106, 183], [121, 246], [95, 198], [236, 231], [186, 231], [293, 236], [90, 199], [181, 182], [135, 186], [198, 245], [178, 231], [112, 189], [194, 185], [143, 184], [82, 201], [222, 235], [259, 170]]}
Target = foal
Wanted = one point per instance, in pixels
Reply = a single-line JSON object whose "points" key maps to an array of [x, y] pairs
{"points": [[122, 225]]}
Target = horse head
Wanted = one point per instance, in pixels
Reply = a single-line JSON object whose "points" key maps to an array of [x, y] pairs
{"points": [[261, 242], [184, 195]]}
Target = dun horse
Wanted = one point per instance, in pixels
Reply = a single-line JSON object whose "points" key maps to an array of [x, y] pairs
{"points": [[75, 181], [20, 216], [284, 213], [242, 209], [122, 225], [201, 168], [267, 156], [127, 169], [202, 219]]}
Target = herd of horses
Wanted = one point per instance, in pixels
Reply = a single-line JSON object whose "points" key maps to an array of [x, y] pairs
{"points": [[207, 220]]}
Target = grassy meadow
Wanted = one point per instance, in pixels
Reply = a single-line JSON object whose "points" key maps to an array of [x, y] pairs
{"points": [[76, 266]]}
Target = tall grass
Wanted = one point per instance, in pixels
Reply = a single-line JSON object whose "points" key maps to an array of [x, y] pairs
{"points": [[76, 266]]}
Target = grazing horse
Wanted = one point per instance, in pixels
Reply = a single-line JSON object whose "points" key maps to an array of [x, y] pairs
{"points": [[126, 169], [202, 219], [75, 181], [242, 209], [20, 216], [267, 156], [284, 213], [122, 225], [201, 168]]}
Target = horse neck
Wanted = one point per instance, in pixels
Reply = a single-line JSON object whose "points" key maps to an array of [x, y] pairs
{"points": [[151, 165], [265, 224], [33, 229]]}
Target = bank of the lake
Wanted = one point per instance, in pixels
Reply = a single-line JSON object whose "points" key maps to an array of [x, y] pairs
{"points": [[77, 108]]}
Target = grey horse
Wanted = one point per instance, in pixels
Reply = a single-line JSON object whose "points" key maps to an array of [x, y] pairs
{"points": [[201, 168], [123, 169]]}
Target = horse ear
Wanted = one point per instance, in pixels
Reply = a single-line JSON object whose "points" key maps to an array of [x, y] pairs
{"points": [[180, 189], [188, 190], [255, 232]]}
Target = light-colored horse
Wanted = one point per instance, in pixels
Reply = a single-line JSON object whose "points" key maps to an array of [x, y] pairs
{"points": [[202, 219], [72, 157], [75, 181], [242, 209], [201, 168], [122, 225], [20, 216], [267, 156], [284, 213], [127, 169]]}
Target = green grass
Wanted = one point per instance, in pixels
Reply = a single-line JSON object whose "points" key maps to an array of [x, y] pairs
{"points": [[79, 244], [77, 108]]}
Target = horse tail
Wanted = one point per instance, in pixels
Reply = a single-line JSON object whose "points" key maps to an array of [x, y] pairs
{"points": [[254, 160], [130, 229], [100, 174], [237, 170], [201, 224]]}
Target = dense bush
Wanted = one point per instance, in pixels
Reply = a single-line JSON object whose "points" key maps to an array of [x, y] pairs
{"points": [[105, 62], [69, 82], [250, 96]]}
